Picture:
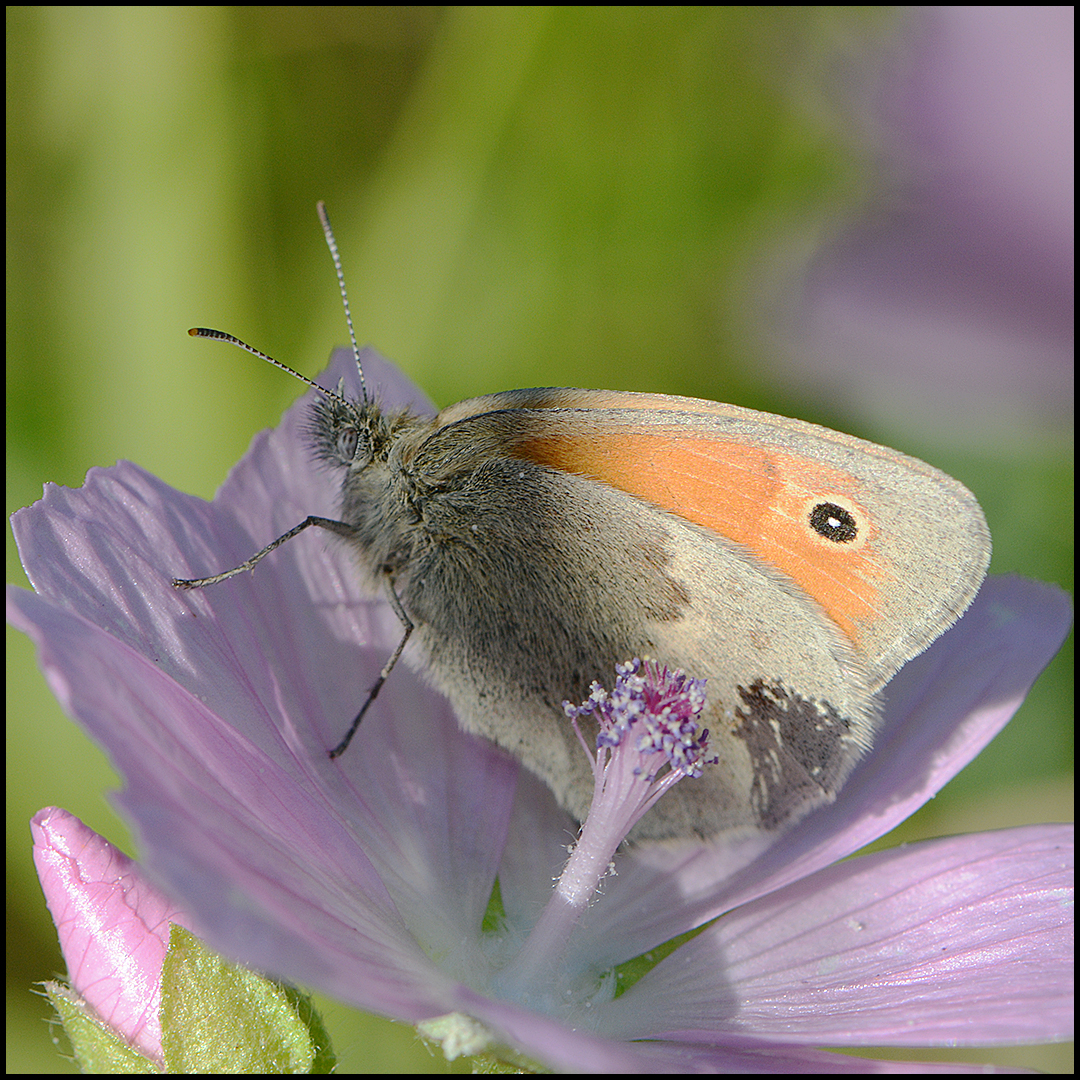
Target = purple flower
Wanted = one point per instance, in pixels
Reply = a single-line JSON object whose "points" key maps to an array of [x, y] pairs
{"points": [[370, 877]]}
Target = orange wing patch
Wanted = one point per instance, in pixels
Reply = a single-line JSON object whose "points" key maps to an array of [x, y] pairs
{"points": [[752, 495]]}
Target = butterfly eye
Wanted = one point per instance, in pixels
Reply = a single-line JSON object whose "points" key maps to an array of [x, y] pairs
{"points": [[346, 443]]}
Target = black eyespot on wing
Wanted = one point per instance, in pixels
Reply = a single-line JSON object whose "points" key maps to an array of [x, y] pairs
{"points": [[833, 523]]}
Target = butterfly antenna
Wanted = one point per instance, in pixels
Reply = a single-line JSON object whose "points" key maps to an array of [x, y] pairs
{"points": [[220, 335], [331, 243]]}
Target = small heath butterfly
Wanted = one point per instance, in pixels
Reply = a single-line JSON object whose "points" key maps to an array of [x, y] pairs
{"points": [[531, 540]]}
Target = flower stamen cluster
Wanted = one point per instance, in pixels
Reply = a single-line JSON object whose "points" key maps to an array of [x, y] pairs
{"points": [[650, 711], [648, 721]]}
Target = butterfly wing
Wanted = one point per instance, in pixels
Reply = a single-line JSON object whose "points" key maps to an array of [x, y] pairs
{"points": [[793, 567], [891, 548]]}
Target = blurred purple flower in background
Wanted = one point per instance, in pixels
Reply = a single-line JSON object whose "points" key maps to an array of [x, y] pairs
{"points": [[953, 298]]}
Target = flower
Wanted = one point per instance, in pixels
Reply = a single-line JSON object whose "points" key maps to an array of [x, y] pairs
{"points": [[113, 925], [370, 877], [145, 994]]}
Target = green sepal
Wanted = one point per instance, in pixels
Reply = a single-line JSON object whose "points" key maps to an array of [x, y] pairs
{"points": [[217, 1017], [97, 1048]]}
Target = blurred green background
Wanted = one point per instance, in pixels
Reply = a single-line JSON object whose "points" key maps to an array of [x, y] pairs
{"points": [[522, 197]]}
